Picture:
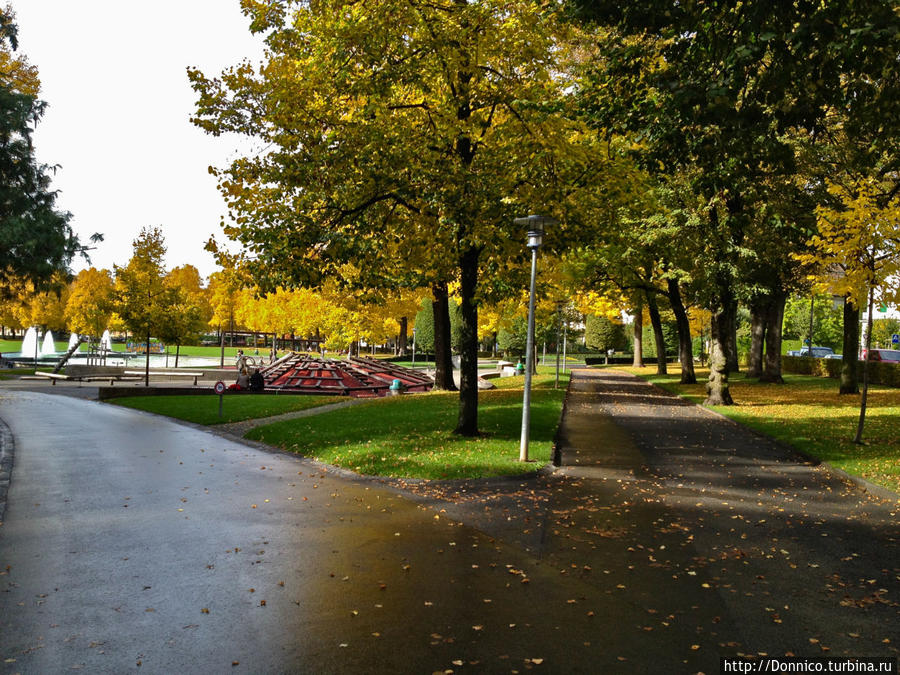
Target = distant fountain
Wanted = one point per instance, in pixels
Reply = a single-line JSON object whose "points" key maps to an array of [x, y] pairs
{"points": [[48, 347], [106, 341], [73, 338], [29, 342]]}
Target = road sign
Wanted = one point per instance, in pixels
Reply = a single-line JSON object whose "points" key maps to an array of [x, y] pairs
{"points": [[895, 339], [220, 387]]}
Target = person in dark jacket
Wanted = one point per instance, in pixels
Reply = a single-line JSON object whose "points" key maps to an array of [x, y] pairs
{"points": [[257, 383]]}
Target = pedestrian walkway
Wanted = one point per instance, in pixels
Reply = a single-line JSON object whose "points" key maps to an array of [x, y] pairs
{"points": [[708, 539]]}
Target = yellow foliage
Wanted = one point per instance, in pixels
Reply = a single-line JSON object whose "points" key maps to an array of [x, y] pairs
{"points": [[89, 306], [858, 244], [598, 304]]}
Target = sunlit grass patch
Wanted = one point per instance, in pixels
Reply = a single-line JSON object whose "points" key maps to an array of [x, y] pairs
{"points": [[809, 414], [412, 436]]}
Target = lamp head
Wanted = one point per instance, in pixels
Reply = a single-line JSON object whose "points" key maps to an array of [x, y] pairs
{"points": [[535, 225]]}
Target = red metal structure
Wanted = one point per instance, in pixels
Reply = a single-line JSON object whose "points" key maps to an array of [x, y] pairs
{"points": [[303, 373]]}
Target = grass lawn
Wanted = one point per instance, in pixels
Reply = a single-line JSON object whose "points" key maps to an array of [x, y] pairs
{"points": [[808, 413], [411, 436], [235, 407]]}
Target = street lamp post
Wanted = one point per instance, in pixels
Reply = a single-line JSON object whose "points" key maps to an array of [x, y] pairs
{"points": [[414, 348], [535, 235], [559, 306]]}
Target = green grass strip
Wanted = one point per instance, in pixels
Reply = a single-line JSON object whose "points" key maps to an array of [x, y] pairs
{"points": [[202, 409], [411, 436]]}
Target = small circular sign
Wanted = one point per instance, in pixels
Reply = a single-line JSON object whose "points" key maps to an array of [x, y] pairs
{"points": [[220, 387]]}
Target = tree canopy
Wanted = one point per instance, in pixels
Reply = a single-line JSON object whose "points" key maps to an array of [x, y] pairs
{"points": [[36, 239], [404, 137]]}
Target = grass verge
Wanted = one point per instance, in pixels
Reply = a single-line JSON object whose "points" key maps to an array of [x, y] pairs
{"points": [[807, 413], [411, 436], [204, 409]]}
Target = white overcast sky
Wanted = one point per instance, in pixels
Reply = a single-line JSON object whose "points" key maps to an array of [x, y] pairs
{"points": [[113, 74]]}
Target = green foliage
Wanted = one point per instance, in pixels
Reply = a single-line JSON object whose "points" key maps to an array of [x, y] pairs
{"points": [[425, 327], [725, 103], [513, 340], [36, 239], [828, 323], [603, 334], [670, 335], [882, 330]]}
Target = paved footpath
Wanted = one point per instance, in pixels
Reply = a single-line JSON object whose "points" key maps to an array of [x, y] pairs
{"points": [[704, 538], [669, 538]]}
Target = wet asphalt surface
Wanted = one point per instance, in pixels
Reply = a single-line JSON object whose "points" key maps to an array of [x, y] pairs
{"points": [[670, 537]]}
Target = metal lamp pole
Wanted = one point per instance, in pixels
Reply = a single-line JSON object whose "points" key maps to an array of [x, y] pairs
{"points": [[559, 304], [414, 348], [535, 235]]}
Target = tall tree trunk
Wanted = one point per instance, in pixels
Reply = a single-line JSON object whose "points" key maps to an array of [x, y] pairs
{"points": [[730, 338], [467, 424], [717, 392], [147, 361], [685, 344], [638, 326], [850, 361], [402, 338], [773, 330], [177, 350], [759, 310], [443, 361], [656, 322]]}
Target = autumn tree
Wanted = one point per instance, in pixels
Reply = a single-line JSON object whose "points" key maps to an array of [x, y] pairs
{"points": [[187, 308], [862, 236], [715, 92], [404, 135], [143, 300], [224, 288], [90, 304]]}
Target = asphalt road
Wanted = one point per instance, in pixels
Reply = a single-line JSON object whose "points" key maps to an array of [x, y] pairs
{"points": [[670, 538], [134, 544]]}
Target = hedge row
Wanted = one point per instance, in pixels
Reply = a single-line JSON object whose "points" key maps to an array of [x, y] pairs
{"points": [[880, 372]]}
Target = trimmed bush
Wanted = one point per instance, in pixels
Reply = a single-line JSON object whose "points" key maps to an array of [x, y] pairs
{"points": [[880, 372]]}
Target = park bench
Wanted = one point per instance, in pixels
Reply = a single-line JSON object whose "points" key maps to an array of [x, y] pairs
{"points": [[167, 374], [55, 377]]}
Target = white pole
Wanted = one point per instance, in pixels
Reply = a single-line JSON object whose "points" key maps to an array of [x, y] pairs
{"points": [[529, 349]]}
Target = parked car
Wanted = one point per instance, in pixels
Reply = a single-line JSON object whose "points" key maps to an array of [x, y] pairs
{"points": [[891, 355], [817, 352], [834, 356]]}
